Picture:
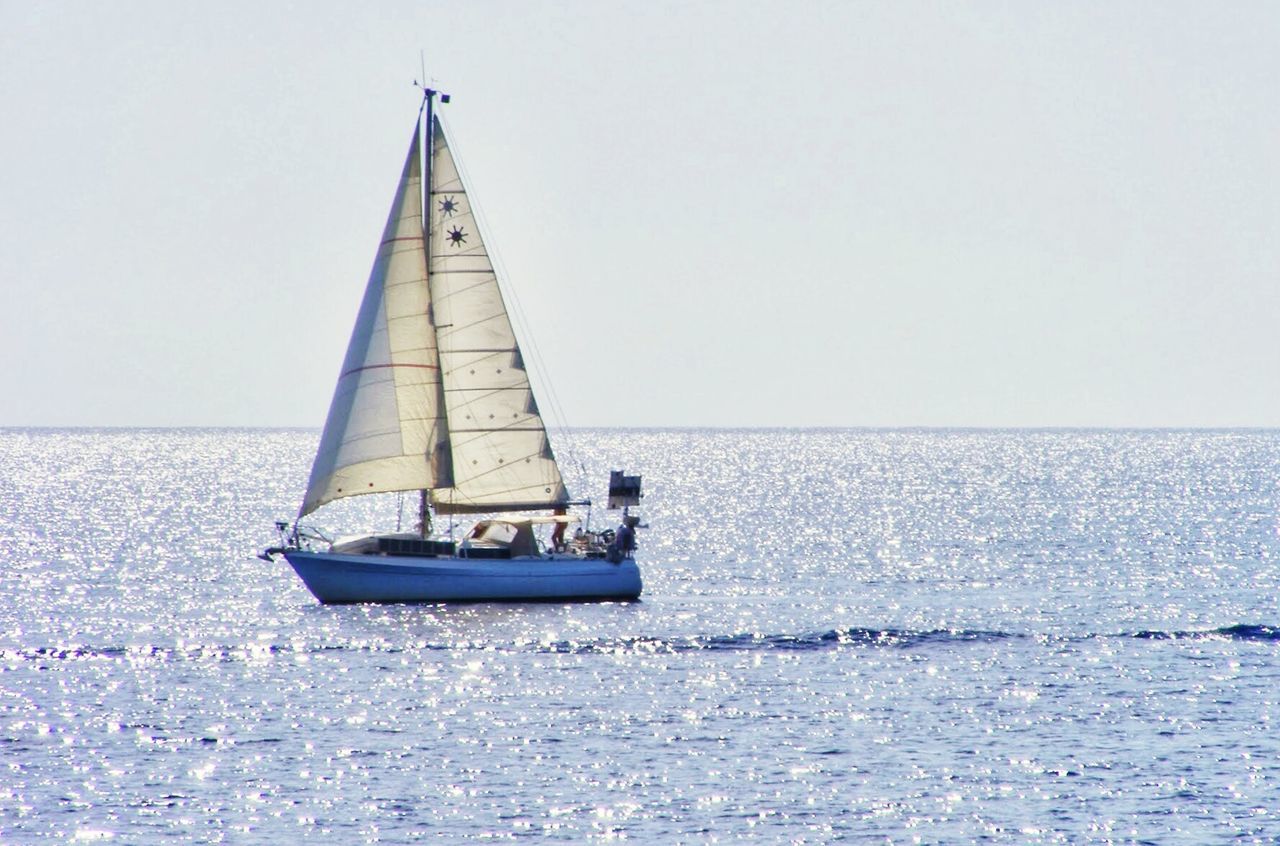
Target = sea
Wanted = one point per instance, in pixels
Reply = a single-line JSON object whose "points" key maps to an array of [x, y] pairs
{"points": [[860, 636]]}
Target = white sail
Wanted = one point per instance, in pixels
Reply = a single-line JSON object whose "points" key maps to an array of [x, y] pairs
{"points": [[502, 459], [386, 429]]}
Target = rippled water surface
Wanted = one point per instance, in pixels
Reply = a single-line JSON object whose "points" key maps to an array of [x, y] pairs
{"points": [[868, 636]]}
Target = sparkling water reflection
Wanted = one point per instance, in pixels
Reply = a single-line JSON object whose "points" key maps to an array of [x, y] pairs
{"points": [[1022, 637]]}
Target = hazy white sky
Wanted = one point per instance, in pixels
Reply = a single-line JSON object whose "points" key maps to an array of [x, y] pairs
{"points": [[730, 214]]}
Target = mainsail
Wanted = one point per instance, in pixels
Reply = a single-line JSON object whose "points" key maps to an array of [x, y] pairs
{"points": [[502, 459], [386, 429], [433, 393]]}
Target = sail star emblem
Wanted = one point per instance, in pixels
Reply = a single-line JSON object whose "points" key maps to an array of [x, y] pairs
{"points": [[457, 237], [448, 206]]}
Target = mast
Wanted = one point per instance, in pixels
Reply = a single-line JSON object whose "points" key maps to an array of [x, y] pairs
{"points": [[428, 151]]}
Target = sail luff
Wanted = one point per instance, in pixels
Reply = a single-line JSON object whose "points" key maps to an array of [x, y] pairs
{"points": [[386, 429], [502, 458]]}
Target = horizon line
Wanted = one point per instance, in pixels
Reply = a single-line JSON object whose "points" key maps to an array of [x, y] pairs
{"points": [[1051, 427]]}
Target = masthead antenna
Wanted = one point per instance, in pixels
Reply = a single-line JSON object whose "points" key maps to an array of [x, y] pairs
{"points": [[427, 91]]}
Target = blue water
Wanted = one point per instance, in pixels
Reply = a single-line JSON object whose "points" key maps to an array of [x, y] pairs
{"points": [[861, 636]]}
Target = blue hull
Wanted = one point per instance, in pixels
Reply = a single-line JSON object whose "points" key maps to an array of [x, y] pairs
{"points": [[335, 578]]}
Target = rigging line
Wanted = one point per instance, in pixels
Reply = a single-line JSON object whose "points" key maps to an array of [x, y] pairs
{"points": [[561, 419], [501, 276]]}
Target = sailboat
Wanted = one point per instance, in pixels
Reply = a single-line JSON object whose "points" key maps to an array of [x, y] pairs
{"points": [[434, 398]]}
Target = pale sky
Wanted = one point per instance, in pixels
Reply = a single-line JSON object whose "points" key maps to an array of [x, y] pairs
{"points": [[722, 214]]}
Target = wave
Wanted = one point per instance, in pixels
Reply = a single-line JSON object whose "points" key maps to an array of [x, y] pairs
{"points": [[744, 642], [828, 639], [1240, 631], [132, 653]]}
